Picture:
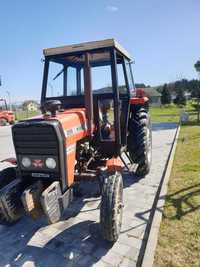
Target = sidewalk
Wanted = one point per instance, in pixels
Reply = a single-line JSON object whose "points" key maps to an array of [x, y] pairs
{"points": [[76, 241]]}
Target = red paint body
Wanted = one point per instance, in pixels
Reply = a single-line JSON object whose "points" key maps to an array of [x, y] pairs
{"points": [[139, 100], [74, 124], [8, 116]]}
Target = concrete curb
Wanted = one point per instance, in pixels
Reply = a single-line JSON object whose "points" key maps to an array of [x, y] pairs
{"points": [[150, 246]]}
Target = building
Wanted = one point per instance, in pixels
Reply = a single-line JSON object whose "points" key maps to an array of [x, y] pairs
{"points": [[30, 105], [153, 95]]}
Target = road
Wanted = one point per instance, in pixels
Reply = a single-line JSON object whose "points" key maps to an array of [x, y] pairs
{"points": [[76, 240], [6, 145]]}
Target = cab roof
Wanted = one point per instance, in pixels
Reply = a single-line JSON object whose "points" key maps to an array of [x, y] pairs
{"points": [[86, 47]]}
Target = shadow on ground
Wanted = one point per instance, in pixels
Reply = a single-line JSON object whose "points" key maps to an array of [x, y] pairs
{"points": [[67, 243], [182, 202], [60, 245], [75, 241]]}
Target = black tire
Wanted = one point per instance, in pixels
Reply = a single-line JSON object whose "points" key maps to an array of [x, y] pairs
{"points": [[3, 122], [6, 176], [111, 207], [140, 140]]}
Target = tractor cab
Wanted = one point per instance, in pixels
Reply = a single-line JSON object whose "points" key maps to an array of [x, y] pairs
{"points": [[97, 77]]}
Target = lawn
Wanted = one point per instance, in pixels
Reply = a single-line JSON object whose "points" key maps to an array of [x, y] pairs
{"points": [[21, 115], [170, 113], [179, 237]]}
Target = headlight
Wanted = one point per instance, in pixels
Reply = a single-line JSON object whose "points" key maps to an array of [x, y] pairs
{"points": [[26, 162], [50, 163]]}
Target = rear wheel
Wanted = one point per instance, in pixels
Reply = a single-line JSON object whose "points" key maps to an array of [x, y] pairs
{"points": [[140, 141], [111, 207], [3, 122]]}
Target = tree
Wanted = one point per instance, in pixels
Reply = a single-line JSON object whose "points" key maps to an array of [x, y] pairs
{"points": [[165, 96], [197, 67], [26, 103], [194, 88], [159, 88], [180, 97], [140, 85]]}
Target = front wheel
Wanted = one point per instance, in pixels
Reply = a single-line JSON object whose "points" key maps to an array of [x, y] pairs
{"points": [[140, 141], [111, 207]]}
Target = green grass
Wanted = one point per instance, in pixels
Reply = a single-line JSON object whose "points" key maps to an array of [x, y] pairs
{"points": [[171, 113], [179, 237], [22, 115]]}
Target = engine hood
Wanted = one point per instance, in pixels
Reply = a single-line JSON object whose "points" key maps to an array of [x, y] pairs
{"points": [[73, 122]]}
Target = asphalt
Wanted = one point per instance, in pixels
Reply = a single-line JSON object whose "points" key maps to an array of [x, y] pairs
{"points": [[76, 240], [6, 144]]}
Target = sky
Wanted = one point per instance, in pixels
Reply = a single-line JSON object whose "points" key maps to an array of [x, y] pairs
{"points": [[162, 37]]}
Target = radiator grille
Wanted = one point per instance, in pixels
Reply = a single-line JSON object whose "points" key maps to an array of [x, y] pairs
{"points": [[35, 140]]}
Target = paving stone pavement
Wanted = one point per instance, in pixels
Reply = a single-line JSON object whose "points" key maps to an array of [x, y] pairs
{"points": [[76, 240]]}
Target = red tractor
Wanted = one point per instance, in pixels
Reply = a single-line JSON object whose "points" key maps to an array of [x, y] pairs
{"points": [[91, 116], [6, 116]]}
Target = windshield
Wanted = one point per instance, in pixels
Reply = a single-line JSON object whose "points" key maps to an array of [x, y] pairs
{"points": [[62, 80], [66, 75]]}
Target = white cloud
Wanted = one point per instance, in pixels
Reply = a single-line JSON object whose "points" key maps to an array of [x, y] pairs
{"points": [[112, 8]]}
